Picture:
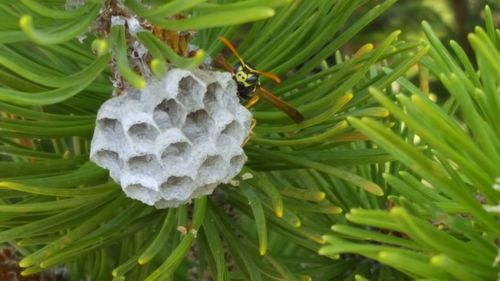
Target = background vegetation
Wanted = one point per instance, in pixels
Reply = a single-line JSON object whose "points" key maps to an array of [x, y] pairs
{"points": [[379, 182]]}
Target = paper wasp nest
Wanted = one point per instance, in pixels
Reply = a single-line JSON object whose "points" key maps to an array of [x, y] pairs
{"points": [[175, 140]]}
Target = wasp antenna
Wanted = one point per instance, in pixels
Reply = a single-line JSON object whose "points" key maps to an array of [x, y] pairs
{"points": [[269, 75], [230, 46]]}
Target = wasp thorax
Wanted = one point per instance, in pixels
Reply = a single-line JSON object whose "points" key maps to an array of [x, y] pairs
{"points": [[175, 140]]}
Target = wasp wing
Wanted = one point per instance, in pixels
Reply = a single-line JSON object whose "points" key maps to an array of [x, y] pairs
{"points": [[279, 103], [221, 62]]}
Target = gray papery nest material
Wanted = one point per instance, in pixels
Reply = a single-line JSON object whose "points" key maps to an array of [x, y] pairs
{"points": [[175, 140]]}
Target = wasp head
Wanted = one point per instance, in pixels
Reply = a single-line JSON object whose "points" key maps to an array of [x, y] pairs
{"points": [[245, 75]]}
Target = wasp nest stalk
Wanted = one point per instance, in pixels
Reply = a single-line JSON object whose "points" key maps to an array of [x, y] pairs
{"points": [[175, 140]]}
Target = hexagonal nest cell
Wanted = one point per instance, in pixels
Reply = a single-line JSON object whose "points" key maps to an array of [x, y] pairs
{"points": [[175, 140], [169, 113], [177, 149], [142, 132]]}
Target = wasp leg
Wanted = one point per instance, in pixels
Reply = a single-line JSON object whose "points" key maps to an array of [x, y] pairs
{"points": [[254, 122], [252, 101]]}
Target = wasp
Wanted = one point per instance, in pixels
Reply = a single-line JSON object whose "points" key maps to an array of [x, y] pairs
{"points": [[250, 90]]}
